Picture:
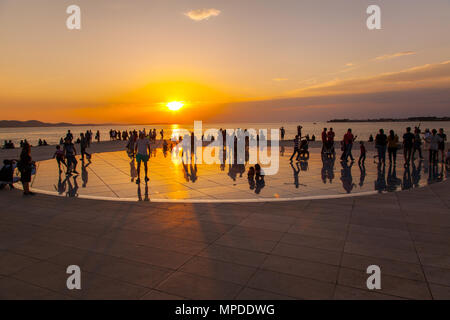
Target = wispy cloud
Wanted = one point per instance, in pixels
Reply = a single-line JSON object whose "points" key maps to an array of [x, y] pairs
{"points": [[280, 79], [395, 55], [425, 76], [202, 14]]}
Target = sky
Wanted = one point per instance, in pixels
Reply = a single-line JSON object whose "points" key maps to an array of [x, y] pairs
{"points": [[246, 60]]}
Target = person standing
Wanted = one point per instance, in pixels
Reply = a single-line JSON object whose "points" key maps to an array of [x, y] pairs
{"points": [[142, 150], [299, 132], [83, 146], [433, 141], [408, 144], [380, 144], [324, 139], [69, 135], [282, 133], [417, 143], [25, 166], [392, 145], [441, 146], [330, 140]]}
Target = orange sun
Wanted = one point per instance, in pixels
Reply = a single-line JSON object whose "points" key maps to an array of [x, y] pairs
{"points": [[175, 105]]}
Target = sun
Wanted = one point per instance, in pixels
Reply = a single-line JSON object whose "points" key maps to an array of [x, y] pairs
{"points": [[175, 105]]}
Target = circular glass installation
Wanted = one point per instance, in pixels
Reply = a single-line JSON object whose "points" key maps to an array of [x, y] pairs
{"points": [[110, 176]]}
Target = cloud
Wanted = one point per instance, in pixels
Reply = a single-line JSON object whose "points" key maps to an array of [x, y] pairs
{"points": [[429, 75], [418, 91], [395, 55], [349, 64], [202, 14], [280, 79]]}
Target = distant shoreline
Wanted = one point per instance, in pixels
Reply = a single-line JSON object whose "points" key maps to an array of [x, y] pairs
{"points": [[411, 119], [39, 124]]}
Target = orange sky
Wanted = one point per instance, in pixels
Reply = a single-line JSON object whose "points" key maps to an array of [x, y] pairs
{"points": [[253, 60]]}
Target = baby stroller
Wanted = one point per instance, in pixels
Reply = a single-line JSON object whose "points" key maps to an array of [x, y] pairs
{"points": [[7, 174], [304, 153]]}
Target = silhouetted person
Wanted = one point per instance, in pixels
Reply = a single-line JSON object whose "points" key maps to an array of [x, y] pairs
{"points": [[380, 145], [408, 144], [363, 151], [417, 143], [296, 148], [142, 150], [392, 146], [441, 145]]}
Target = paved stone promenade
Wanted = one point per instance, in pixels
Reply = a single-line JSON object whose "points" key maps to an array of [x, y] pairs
{"points": [[287, 250]]}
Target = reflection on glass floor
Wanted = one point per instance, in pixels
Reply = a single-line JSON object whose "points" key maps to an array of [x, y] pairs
{"points": [[109, 175]]}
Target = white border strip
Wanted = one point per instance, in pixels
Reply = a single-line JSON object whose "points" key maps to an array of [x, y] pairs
{"points": [[322, 197]]}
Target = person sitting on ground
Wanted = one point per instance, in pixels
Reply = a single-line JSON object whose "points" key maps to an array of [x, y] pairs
{"points": [[7, 174]]}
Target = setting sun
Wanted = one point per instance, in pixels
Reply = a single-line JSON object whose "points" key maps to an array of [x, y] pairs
{"points": [[174, 105]]}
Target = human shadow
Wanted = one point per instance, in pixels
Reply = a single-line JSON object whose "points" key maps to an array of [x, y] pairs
{"points": [[346, 177], [139, 192], [380, 183]]}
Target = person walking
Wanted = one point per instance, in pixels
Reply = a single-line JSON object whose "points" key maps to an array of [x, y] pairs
{"points": [[59, 156], [296, 148], [362, 156], [70, 152], [349, 138]]}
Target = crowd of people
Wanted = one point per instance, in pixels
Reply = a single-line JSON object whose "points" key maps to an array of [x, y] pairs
{"points": [[8, 145], [412, 144]]}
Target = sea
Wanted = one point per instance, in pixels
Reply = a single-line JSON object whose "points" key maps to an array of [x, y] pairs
{"points": [[361, 129]]}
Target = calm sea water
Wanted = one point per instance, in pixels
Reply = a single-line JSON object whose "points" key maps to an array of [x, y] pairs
{"points": [[362, 130]]}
